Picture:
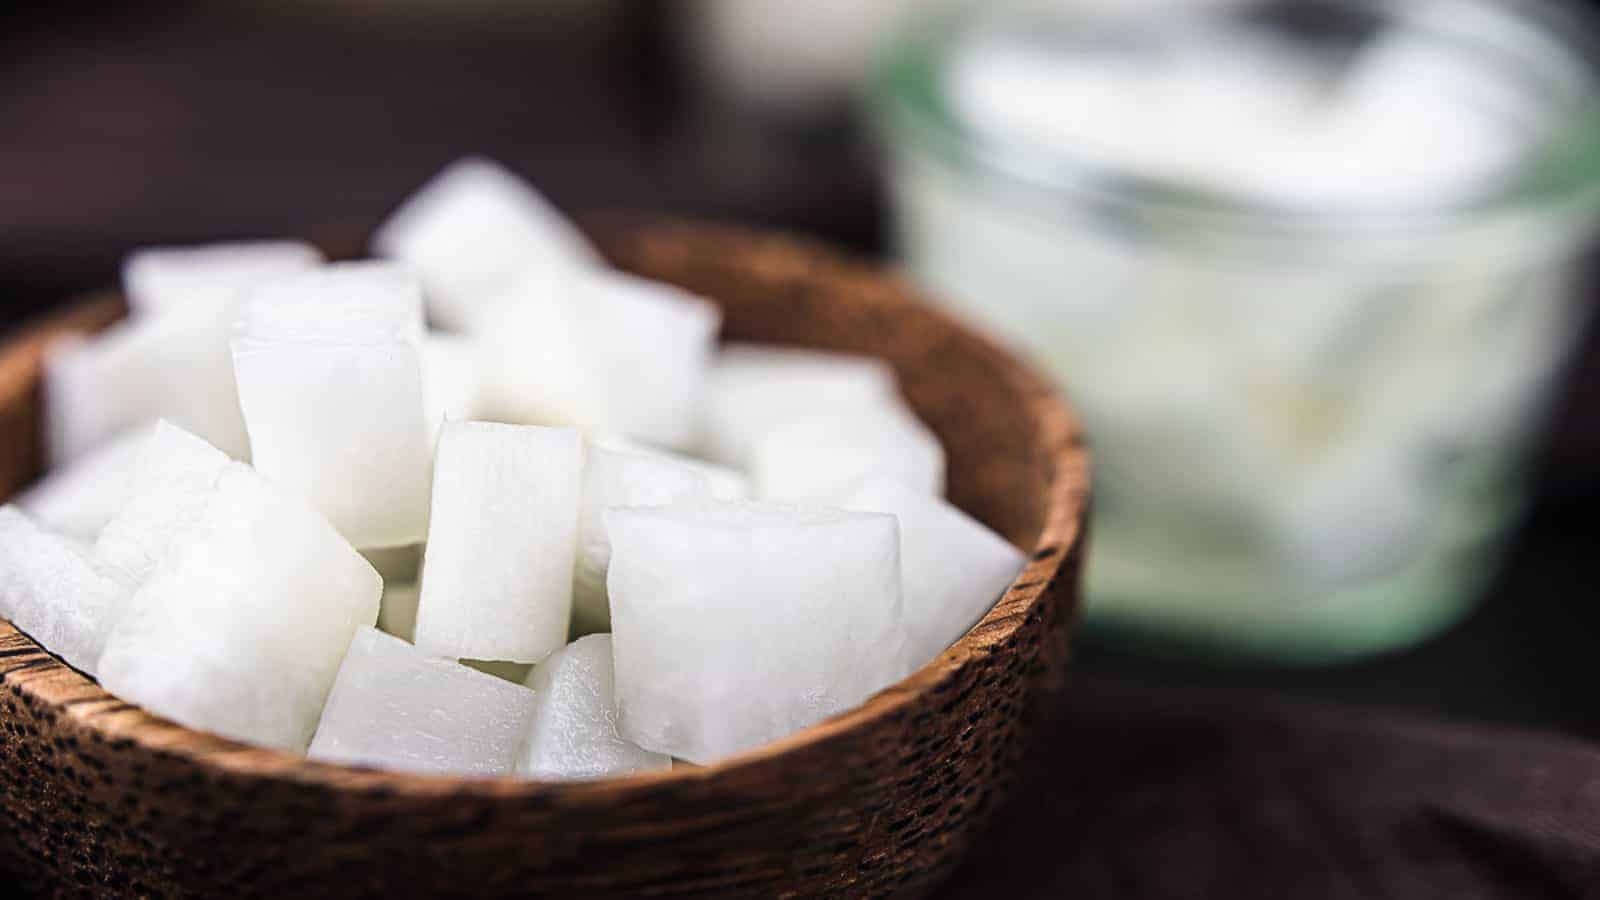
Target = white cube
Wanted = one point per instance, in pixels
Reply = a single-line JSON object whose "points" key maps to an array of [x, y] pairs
{"points": [[175, 367], [734, 624], [532, 348], [574, 728], [329, 369], [601, 351], [651, 345], [727, 483], [809, 460], [52, 588], [472, 230], [241, 628], [79, 498], [167, 279], [395, 707], [497, 569], [952, 567], [619, 478], [173, 486], [753, 387]]}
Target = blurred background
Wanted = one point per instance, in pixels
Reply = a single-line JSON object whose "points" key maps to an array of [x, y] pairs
{"points": [[162, 122]]}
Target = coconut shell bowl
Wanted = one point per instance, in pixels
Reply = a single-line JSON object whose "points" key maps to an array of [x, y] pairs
{"points": [[99, 797]]}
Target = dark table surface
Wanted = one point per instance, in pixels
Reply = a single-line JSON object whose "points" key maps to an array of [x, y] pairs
{"points": [[146, 123]]}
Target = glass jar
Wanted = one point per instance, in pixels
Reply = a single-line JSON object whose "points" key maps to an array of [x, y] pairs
{"points": [[1309, 384]]}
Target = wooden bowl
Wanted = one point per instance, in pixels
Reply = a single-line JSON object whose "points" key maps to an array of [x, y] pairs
{"points": [[99, 796]]}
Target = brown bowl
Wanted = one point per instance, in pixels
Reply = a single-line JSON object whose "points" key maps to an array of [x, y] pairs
{"points": [[101, 797]]}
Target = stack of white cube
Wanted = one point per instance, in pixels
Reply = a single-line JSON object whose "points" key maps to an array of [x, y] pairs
{"points": [[241, 598]]}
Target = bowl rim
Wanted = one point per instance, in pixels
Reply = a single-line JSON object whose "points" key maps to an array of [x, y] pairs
{"points": [[44, 678]]}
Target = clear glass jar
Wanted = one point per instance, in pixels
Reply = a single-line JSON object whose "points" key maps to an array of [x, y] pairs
{"points": [[1308, 407]]}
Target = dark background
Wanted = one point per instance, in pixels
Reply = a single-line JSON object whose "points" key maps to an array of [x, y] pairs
{"points": [[161, 122]]}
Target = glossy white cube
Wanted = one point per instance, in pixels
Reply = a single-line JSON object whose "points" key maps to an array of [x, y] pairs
{"points": [[470, 231], [497, 569], [574, 729], [602, 351], [753, 387], [240, 629], [614, 478], [735, 624], [329, 369], [727, 483], [394, 707], [175, 367], [172, 489], [808, 460], [52, 588], [953, 568]]}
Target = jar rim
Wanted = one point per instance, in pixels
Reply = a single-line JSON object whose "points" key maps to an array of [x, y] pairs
{"points": [[1562, 177]]}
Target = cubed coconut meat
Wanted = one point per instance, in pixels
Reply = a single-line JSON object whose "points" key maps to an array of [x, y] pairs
{"points": [[574, 729], [471, 231], [79, 498], [753, 387], [330, 379], [619, 478], [953, 568], [52, 588], [395, 707], [600, 351], [240, 628], [735, 624], [497, 569], [807, 460]]}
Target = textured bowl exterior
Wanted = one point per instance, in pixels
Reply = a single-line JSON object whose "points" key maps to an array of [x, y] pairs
{"points": [[99, 797]]}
